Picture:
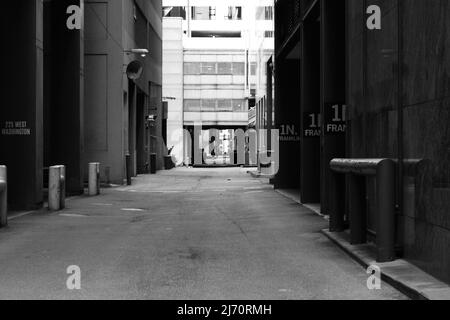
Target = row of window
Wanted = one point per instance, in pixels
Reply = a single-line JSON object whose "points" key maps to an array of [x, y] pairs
{"points": [[218, 68], [215, 105], [209, 13]]}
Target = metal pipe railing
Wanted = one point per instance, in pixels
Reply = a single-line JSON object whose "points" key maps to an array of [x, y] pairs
{"points": [[3, 196], [57, 188], [358, 170]]}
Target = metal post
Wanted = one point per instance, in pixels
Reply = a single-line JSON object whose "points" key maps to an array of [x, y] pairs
{"points": [[94, 179], [153, 163], [337, 202], [128, 168], [386, 211], [357, 197], [3, 197], [54, 188], [62, 182]]}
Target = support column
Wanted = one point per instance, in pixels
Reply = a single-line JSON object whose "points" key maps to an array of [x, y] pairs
{"points": [[64, 93], [21, 122]]}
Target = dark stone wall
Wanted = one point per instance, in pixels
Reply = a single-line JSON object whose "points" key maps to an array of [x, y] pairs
{"points": [[287, 116], [410, 53], [64, 81], [22, 100]]}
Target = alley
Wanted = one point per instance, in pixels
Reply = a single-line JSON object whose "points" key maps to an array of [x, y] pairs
{"points": [[180, 234]]}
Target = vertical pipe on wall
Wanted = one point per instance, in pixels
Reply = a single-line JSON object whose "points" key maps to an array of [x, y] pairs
{"points": [[400, 150]]}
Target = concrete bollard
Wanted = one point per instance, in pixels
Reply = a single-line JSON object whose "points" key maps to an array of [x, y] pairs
{"points": [[94, 179], [3, 197], [57, 188]]}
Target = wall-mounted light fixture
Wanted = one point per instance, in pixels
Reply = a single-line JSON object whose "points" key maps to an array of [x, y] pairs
{"points": [[142, 52]]}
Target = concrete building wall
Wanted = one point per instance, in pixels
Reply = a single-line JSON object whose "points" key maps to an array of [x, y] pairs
{"points": [[173, 84], [112, 114], [106, 92]]}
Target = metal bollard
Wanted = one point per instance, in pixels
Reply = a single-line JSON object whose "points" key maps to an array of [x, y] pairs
{"points": [[57, 188], [94, 179], [3, 197], [128, 168], [153, 163]]}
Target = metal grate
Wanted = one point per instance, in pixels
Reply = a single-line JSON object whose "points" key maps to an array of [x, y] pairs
{"points": [[288, 16]]}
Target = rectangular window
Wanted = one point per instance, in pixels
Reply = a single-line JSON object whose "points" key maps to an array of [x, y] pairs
{"points": [[234, 13], [239, 105], [208, 68], [268, 34], [209, 105], [203, 13], [224, 68], [239, 68], [224, 105], [192, 105], [264, 13], [191, 68], [253, 68], [179, 12]]}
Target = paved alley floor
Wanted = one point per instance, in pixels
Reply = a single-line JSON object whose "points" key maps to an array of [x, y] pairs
{"points": [[181, 234]]}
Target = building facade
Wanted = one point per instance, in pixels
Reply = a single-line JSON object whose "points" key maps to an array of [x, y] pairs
{"points": [[68, 101], [123, 116], [361, 92], [222, 75]]}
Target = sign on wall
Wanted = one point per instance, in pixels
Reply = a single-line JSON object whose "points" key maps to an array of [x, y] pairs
{"points": [[16, 128], [312, 123], [335, 118]]}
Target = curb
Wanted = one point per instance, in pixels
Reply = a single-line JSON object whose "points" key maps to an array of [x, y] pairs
{"points": [[400, 274]]}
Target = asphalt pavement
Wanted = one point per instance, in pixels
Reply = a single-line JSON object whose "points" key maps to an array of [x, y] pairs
{"points": [[180, 234]]}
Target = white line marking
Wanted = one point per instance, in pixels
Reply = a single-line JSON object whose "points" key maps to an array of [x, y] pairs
{"points": [[19, 215], [132, 209], [70, 215]]}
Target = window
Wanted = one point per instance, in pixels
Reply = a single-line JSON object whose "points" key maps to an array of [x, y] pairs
{"points": [[215, 105], [221, 68], [191, 68], [268, 34], [216, 34], [224, 68], [208, 105], [239, 106], [224, 105], [264, 13], [192, 105], [253, 68], [234, 13], [208, 68], [179, 12], [238, 68], [203, 13]]}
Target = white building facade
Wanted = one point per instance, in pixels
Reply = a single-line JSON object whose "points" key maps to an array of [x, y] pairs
{"points": [[215, 55]]}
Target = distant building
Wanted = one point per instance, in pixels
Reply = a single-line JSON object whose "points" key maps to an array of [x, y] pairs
{"points": [[216, 55]]}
